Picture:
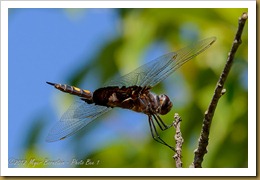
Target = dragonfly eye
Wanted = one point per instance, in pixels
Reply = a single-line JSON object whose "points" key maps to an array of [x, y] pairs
{"points": [[165, 104]]}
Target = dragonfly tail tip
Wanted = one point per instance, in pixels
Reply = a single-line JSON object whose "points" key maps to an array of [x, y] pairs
{"points": [[50, 83]]}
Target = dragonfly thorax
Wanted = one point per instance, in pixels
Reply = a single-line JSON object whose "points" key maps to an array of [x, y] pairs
{"points": [[134, 98]]}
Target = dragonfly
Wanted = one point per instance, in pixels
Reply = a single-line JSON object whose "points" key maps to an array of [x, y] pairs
{"points": [[131, 91]]}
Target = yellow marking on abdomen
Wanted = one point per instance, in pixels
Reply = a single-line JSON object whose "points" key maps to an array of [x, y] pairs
{"points": [[86, 91], [77, 89]]}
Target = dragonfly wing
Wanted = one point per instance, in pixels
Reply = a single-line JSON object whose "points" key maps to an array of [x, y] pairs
{"points": [[141, 75], [150, 74], [79, 115]]}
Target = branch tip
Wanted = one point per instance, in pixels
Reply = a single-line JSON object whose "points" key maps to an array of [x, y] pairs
{"points": [[244, 16], [178, 139]]}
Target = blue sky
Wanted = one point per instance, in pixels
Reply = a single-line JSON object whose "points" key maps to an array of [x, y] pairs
{"points": [[43, 45]]}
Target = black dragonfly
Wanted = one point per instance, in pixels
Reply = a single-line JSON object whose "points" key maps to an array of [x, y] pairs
{"points": [[131, 91]]}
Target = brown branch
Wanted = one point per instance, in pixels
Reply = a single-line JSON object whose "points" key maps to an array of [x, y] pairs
{"points": [[219, 91], [178, 139]]}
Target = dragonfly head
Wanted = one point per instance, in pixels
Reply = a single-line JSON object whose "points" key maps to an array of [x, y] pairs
{"points": [[165, 104]]}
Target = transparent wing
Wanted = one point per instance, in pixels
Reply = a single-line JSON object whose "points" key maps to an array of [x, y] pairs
{"points": [[79, 115], [157, 70]]}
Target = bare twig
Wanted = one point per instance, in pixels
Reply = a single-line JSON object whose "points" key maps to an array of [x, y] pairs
{"points": [[219, 91], [179, 140]]}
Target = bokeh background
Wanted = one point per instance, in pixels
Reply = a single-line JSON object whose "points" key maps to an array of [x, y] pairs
{"points": [[87, 47]]}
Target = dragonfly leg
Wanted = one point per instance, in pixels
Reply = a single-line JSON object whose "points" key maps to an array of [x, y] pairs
{"points": [[160, 122], [155, 134]]}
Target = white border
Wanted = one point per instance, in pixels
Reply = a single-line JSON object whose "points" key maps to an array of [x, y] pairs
{"points": [[128, 172], [127, 4], [250, 171]]}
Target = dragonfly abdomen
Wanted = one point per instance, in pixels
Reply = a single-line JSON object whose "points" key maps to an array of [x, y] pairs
{"points": [[84, 94]]}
